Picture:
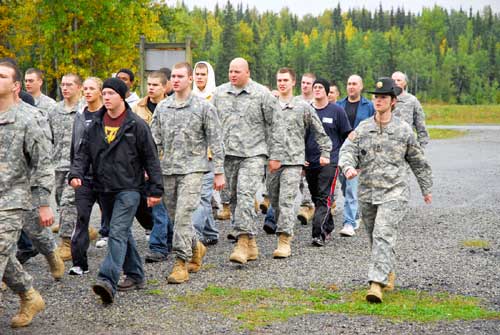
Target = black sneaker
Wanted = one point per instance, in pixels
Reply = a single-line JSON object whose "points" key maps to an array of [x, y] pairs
{"points": [[155, 257], [318, 241], [232, 237], [104, 291], [209, 241]]}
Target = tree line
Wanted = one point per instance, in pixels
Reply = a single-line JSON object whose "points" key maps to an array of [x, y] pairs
{"points": [[449, 55]]}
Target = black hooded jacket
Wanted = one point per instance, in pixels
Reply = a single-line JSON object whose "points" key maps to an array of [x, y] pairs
{"points": [[119, 165]]}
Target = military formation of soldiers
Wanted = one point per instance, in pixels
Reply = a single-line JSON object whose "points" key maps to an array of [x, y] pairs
{"points": [[164, 159]]}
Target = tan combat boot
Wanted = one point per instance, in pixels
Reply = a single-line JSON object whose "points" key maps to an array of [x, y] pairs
{"points": [[391, 282], [64, 249], [284, 250], [198, 253], [305, 215], [253, 250], [93, 234], [179, 273], [240, 251], [374, 294], [56, 265], [225, 213], [256, 205], [31, 304], [264, 205], [55, 228]]}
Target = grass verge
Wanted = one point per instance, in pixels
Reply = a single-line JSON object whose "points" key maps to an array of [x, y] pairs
{"points": [[260, 307], [462, 114], [441, 134]]}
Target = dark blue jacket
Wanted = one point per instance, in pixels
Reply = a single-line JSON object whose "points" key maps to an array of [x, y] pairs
{"points": [[365, 109]]}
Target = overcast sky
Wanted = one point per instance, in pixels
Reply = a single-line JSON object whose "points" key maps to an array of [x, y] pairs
{"points": [[301, 7]]}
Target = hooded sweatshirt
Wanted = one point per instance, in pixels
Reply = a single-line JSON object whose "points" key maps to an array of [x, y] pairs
{"points": [[210, 87]]}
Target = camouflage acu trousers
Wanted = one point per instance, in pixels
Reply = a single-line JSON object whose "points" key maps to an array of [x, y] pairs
{"points": [[42, 237], [243, 177], [11, 271], [283, 186], [306, 194], [66, 205], [181, 198], [381, 222]]}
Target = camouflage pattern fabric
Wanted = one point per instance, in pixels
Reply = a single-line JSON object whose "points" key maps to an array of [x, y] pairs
{"points": [[410, 110], [383, 155], [283, 186], [181, 198], [183, 132]]}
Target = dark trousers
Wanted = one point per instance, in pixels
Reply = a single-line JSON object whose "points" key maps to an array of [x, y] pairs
{"points": [[319, 181], [85, 199]]}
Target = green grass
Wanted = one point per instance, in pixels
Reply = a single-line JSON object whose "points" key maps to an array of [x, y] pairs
{"points": [[260, 307], [155, 292], [476, 243], [462, 114], [441, 134]]}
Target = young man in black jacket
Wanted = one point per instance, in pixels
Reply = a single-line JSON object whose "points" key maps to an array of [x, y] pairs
{"points": [[119, 147]]}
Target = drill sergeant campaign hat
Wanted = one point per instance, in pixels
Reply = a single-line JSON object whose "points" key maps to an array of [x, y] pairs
{"points": [[386, 86]]}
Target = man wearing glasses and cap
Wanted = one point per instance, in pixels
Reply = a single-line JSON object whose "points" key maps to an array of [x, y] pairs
{"points": [[382, 148]]}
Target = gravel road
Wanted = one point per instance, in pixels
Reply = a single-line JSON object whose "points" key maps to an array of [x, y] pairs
{"points": [[430, 257]]}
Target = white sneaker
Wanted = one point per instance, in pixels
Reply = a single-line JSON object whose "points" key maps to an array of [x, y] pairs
{"points": [[77, 271], [147, 233], [348, 230], [102, 242]]}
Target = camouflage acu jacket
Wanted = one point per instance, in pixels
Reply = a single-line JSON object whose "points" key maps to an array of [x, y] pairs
{"points": [[409, 109], [383, 155], [183, 133], [292, 121], [61, 123], [246, 116], [26, 176]]}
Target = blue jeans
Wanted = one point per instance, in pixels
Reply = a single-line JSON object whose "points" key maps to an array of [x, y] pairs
{"points": [[122, 251], [203, 219], [24, 242], [270, 215], [350, 192], [160, 240]]}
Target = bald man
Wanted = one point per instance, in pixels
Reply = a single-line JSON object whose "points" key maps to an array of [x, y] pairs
{"points": [[246, 111], [409, 109]]}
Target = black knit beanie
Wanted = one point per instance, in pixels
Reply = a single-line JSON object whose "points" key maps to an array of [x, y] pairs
{"points": [[324, 82], [116, 85]]}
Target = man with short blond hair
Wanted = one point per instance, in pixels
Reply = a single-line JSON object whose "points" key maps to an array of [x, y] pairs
{"points": [[183, 127]]}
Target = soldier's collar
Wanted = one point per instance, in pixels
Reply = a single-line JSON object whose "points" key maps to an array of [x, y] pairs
{"points": [[388, 128], [248, 88], [174, 104]]}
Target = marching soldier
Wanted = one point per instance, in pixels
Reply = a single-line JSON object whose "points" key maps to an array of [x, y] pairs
{"points": [[382, 148]]}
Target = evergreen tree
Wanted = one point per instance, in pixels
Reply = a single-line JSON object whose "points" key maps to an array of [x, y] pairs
{"points": [[228, 43]]}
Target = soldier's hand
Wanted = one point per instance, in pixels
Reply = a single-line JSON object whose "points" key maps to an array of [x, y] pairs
{"points": [[306, 163], [274, 165], [324, 161], [428, 198], [46, 216], [153, 201], [76, 183], [219, 181], [350, 173]]}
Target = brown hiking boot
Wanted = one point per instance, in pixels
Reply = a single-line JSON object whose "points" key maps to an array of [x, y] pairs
{"points": [[264, 205], [391, 282], [284, 250], [56, 265], [93, 234], [240, 251], [253, 250], [31, 304], [199, 252], [64, 249], [374, 294], [225, 213], [305, 215], [179, 273]]}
